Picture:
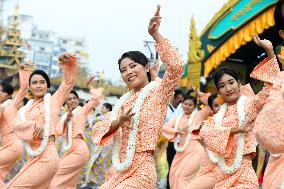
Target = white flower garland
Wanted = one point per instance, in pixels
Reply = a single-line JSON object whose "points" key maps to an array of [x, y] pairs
{"points": [[6, 103], [44, 142], [241, 140], [67, 145], [189, 123], [121, 166]]}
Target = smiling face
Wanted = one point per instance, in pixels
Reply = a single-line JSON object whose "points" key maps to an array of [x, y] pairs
{"points": [[229, 88], [38, 86], [72, 101], [134, 74]]}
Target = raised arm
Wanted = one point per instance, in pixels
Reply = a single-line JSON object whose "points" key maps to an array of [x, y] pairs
{"points": [[169, 55], [68, 64], [96, 97], [24, 73]]}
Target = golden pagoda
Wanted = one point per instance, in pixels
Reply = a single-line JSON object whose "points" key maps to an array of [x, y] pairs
{"points": [[195, 57], [10, 55]]}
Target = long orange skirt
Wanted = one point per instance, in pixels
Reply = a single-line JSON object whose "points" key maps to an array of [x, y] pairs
{"points": [[38, 172], [10, 152], [70, 166]]}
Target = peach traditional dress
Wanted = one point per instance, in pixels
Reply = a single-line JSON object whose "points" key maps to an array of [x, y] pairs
{"points": [[11, 148], [77, 156], [38, 172], [185, 164], [207, 175], [220, 141], [270, 134], [142, 174]]}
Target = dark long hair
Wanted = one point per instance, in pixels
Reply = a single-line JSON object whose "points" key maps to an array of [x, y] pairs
{"points": [[7, 87], [43, 74], [278, 16], [189, 97], [211, 98], [221, 72], [137, 57]]}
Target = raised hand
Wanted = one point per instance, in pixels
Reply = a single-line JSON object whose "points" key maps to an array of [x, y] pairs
{"points": [[155, 22], [125, 118], [25, 72], [67, 58], [265, 44], [89, 82], [97, 93]]}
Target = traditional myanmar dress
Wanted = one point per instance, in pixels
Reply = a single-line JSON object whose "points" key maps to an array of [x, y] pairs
{"points": [[39, 171], [185, 164], [220, 141], [142, 174], [11, 148], [74, 159], [207, 176], [270, 133]]}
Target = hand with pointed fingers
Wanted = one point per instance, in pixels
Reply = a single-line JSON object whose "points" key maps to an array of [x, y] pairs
{"points": [[125, 118], [38, 133], [266, 45], [155, 22]]}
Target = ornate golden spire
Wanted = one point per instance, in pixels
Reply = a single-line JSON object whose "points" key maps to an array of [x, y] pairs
{"points": [[195, 57], [195, 54]]}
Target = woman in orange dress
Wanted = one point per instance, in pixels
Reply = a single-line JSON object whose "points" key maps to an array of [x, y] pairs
{"points": [[186, 162], [11, 148], [206, 177], [138, 116], [269, 123], [229, 135], [35, 125], [72, 126]]}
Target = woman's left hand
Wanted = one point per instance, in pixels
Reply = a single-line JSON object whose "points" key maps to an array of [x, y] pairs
{"points": [[67, 58], [266, 45], [155, 22]]}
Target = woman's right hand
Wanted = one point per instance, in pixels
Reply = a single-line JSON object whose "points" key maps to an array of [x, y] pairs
{"points": [[38, 133], [125, 118]]}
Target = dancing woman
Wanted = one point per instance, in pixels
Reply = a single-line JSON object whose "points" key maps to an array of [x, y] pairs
{"points": [[229, 135], [186, 162], [72, 126], [36, 123], [11, 148], [137, 118]]}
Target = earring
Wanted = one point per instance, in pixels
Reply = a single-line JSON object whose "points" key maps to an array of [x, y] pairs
{"points": [[30, 94]]}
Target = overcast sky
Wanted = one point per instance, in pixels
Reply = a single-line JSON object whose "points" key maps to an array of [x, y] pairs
{"points": [[112, 27]]}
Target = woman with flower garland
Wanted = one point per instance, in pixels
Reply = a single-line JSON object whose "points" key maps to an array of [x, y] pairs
{"points": [[269, 123], [72, 126], [138, 116], [229, 135], [189, 150], [11, 148], [35, 126]]}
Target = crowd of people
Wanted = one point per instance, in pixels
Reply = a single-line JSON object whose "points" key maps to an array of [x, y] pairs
{"points": [[155, 136]]}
